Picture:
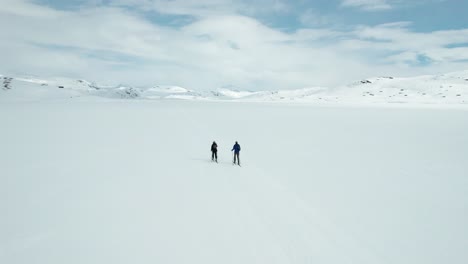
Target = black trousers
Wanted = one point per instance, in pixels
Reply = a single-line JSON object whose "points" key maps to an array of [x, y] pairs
{"points": [[236, 155], [214, 155]]}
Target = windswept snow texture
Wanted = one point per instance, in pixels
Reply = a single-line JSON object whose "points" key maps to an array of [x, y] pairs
{"points": [[132, 182], [448, 89]]}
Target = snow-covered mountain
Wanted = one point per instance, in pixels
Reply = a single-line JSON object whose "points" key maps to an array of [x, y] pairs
{"points": [[449, 88]]}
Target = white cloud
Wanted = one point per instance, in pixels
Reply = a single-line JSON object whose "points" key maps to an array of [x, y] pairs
{"points": [[368, 5], [112, 44], [26, 9]]}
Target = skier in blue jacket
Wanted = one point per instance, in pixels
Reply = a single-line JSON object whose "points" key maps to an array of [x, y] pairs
{"points": [[236, 148]]}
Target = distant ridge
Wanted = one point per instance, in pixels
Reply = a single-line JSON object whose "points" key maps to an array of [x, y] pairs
{"points": [[450, 88]]}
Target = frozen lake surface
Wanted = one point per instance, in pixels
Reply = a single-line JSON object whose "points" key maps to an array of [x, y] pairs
{"points": [[132, 182]]}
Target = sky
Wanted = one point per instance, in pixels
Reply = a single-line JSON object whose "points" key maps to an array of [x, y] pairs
{"points": [[244, 45]]}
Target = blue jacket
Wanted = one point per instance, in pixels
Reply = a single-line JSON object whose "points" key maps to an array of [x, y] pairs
{"points": [[236, 148]]}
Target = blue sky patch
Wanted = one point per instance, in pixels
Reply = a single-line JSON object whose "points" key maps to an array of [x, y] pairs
{"points": [[457, 45], [422, 61]]}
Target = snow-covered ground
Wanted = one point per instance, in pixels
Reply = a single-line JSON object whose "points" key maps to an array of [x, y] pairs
{"points": [[130, 181], [449, 89]]}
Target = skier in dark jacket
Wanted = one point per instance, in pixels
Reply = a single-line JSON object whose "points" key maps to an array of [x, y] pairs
{"points": [[236, 148], [214, 151]]}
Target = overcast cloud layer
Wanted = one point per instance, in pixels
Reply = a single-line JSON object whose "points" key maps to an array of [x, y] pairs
{"points": [[208, 44]]}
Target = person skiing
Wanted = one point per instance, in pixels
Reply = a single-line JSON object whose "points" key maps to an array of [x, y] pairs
{"points": [[236, 148], [214, 151]]}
